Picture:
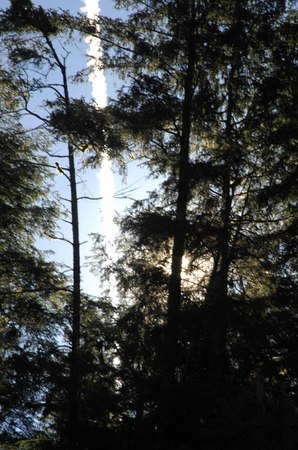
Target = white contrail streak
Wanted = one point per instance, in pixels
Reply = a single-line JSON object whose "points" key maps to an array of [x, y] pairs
{"points": [[99, 94], [96, 76]]}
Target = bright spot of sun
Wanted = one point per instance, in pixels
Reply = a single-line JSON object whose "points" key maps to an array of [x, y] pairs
{"points": [[195, 272]]}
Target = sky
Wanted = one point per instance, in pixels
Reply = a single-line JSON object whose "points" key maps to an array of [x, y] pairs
{"points": [[98, 216], [92, 212]]}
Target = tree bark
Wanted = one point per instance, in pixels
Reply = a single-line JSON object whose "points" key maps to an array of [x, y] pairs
{"points": [[168, 414], [73, 431], [217, 292], [75, 376]]}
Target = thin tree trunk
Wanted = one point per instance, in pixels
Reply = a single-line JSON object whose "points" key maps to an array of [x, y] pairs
{"points": [[168, 414], [76, 307], [75, 375], [217, 303], [217, 292]]}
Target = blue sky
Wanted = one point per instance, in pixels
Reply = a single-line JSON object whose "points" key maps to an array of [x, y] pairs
{"points": [[90, 212]]}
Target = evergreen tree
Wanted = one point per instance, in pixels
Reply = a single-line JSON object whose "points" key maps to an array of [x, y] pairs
{"points": [[39, 63], [201, 102], [202, 353], [32, 292], [31, 31]]}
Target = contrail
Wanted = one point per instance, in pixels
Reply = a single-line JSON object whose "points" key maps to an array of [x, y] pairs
{"points": [[96, 77], [99, 94]]}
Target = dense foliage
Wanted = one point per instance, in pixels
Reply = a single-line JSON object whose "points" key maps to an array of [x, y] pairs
{"points": [[202, 350], [31, 287]]}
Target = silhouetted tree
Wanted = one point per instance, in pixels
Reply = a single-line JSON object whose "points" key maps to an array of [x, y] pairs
{"points": [[206, 97]]}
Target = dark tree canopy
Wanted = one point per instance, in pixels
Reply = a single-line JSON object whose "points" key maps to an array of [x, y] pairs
{"points": [[201, 350], [31, 287]]}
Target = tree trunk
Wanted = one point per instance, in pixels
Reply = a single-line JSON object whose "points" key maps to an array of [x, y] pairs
{"points": [[168, 414], [74, 392], [217, 292], [73, 429], [75, 375]]}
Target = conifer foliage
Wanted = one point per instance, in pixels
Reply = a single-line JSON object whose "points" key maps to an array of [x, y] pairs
{"points": [[30, 285], [202, 350], [203, 105]]}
